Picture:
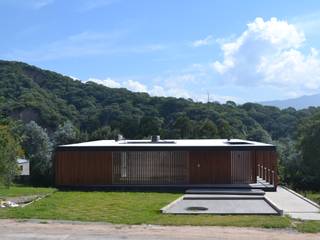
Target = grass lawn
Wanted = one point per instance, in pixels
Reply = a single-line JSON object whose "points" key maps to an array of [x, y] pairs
{"points": [[314, 196], [16, 191], [132, 208]]}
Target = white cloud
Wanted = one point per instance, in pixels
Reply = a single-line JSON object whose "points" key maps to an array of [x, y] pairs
{"points": [[169, 92], [135, 86], [130, 84], [74, 78], [175, 89], [108, 82], [270, 53], [158, 91], [217, 98], [203, 42]]}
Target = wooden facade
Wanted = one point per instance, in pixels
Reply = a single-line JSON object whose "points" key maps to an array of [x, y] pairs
{"points": [[104, 167], [83, 168]]}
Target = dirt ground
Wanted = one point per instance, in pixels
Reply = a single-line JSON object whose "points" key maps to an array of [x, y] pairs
{"points": [[39, 229]]}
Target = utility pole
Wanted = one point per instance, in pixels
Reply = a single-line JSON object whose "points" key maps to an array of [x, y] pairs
{"points": [[208, 95]]}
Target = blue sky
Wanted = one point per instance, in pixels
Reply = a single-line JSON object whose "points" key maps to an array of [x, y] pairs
{"points": [[231, 50]]}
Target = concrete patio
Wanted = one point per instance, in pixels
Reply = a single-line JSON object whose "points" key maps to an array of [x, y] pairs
{"points": [[293, 204], [244, 201]]}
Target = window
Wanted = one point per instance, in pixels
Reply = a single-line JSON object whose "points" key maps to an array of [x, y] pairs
{"points": [[150, 167]]}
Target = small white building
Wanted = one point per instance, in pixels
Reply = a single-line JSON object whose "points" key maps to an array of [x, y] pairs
{"points": [[24, 167]]}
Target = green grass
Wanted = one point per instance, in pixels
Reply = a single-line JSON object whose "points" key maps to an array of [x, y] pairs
{"points": [[132, 208], [16, 191], [314, 196], [309, 226]]}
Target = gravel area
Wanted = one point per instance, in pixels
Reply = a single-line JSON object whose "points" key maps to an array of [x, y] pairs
{"points": [[54, 230]]}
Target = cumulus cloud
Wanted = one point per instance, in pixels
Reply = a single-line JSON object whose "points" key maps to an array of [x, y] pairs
{"points": [[135, 86], [108, 82], [203, 42], [170, 86], [270, 53], [130, 84], [74, 78], [169, 92]]}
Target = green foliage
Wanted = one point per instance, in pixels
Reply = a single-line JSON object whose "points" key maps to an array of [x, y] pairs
{"points": [[73, 111], [65, 134], [309, 146], [38, 149], [50, 99], [104, 133], [207, 129], [9, 150]]}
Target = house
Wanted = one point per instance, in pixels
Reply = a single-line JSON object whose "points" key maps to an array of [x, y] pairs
{"points": [[166, 164], [23, 166]]}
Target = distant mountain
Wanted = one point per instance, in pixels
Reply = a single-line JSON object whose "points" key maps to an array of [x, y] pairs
{"points": [[297, 103]]}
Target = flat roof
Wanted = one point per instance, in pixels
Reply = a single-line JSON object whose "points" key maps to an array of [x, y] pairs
{"points": [[22, 160], [170, 143]]}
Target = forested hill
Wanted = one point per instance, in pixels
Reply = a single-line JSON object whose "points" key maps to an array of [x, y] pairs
{"points": [[50, 99], [71, 111]]}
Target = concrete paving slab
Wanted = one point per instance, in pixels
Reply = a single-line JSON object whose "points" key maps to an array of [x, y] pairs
{"points": [[293, 204], [305, 216], [221, 206], [220, 196], [226, 191]]}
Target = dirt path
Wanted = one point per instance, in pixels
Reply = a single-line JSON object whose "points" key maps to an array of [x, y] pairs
{"points": [[11, 229]]}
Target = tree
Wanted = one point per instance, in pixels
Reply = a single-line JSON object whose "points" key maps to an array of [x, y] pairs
{"points": [[150, 126], [9, 149], [38, 149], [184, 127], [259, 135], [309, 145], [65, 134], [207, 129], [104, 133]]}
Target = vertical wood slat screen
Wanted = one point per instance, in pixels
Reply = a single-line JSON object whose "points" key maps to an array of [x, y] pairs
{"points": [[150, 167], [241, 167]]}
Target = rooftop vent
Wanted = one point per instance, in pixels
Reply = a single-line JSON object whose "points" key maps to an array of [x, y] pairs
{"points": [[119, 138], [155, 138], [237, 142]]}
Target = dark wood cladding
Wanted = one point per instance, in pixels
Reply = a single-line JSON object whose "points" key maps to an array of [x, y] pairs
{"points": [[242, 167], [150, 167], [83, 168], [210, 167], [193, 167]]}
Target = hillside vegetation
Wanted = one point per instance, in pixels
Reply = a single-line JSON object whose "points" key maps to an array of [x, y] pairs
{"points": [[68, 110]]}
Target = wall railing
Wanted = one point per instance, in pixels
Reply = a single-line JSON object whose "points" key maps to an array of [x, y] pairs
{"points": [[266, 174]]}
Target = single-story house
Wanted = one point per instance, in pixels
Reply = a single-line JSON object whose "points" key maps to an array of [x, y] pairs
{"points": [[23, 167], [165, 163]]}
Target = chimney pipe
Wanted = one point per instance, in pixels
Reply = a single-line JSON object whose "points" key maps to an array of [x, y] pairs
{"points": [[155, 138]]}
